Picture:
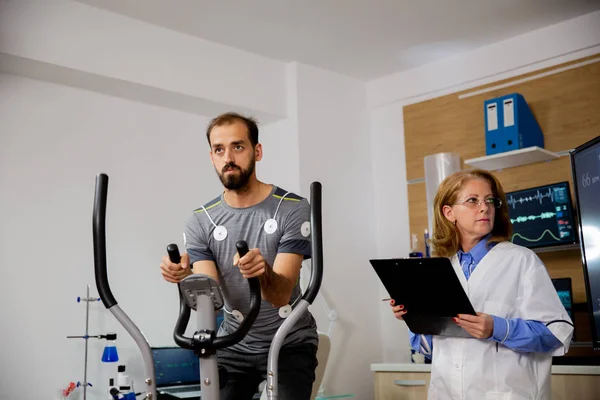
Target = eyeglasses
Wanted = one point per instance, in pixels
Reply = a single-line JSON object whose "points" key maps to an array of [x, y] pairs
{"points": [[473, 202]]}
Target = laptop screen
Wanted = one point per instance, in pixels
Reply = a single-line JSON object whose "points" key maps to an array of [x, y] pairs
{"points": [[175, 366]]}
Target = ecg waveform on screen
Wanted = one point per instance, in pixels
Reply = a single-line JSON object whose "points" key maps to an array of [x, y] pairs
{"points": [[525, 218], [548, 231], [538, 196], [540, 216]]}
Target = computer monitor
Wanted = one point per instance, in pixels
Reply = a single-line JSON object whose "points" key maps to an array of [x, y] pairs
{"points": [[585, 167], [565, 293], [564, 289], [542, 216]]}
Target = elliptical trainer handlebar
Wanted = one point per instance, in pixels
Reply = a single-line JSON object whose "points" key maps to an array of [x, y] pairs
{"points": [[99, 231], [309, 295], [316, 223], [109, 301], [184, 311]]}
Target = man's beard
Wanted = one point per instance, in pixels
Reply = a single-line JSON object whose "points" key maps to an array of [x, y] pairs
{"points": [[236, 181]]}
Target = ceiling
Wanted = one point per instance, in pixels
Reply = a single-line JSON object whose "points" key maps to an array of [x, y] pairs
{"points": [[365, 39]]}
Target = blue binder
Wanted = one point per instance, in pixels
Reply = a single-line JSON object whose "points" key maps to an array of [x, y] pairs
{"points": [[510, 125]]}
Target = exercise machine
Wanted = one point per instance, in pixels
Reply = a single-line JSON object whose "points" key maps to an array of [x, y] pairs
{"points": [[202, 294]]}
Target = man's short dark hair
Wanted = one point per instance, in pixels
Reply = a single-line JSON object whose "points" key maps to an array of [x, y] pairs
{"points": [[230, 118]]}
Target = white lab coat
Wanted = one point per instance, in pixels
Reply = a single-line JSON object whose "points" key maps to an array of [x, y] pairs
{"points": [[509, 282]]}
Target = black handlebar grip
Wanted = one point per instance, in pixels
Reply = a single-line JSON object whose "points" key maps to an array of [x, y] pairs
{"points": [[316, 242], [242, 248], [173, 252], [184, 309], [99, 233]]}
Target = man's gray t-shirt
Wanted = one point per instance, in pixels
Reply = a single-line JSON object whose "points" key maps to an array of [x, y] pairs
{"points": [[292, 235]]}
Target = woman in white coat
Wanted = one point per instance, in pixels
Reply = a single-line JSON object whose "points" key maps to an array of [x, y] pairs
{"points": [[520, 322]]}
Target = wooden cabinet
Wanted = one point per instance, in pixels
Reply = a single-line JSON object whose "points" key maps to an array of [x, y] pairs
{"points": [[401, 385], [407, 385], [568, 387]]}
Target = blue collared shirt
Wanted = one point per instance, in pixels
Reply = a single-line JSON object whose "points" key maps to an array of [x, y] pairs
{"points": [[468, 261], [515, 333]]}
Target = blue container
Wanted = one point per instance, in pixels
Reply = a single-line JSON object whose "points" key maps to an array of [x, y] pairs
{"points": [[510, 125], [110, 354]]}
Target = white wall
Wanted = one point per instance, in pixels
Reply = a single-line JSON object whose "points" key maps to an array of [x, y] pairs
{"points": [[334, 149], [391, 208], [387, 96], [82, 45], [280, 164]]}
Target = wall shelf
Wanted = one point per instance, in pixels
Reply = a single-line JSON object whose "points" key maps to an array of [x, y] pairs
{"points": [[513, 158]]}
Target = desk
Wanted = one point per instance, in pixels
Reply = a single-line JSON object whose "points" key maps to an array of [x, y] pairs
{"points": [[410, 382]]}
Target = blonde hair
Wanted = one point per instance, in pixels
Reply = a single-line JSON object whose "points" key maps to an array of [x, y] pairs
{"points": [[445, 241]]}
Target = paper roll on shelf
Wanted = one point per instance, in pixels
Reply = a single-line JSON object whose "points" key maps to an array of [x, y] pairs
{"points": [[437, 168]]}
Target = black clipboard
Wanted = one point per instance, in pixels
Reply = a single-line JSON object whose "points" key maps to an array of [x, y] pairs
{"points": [[429, 289]]}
